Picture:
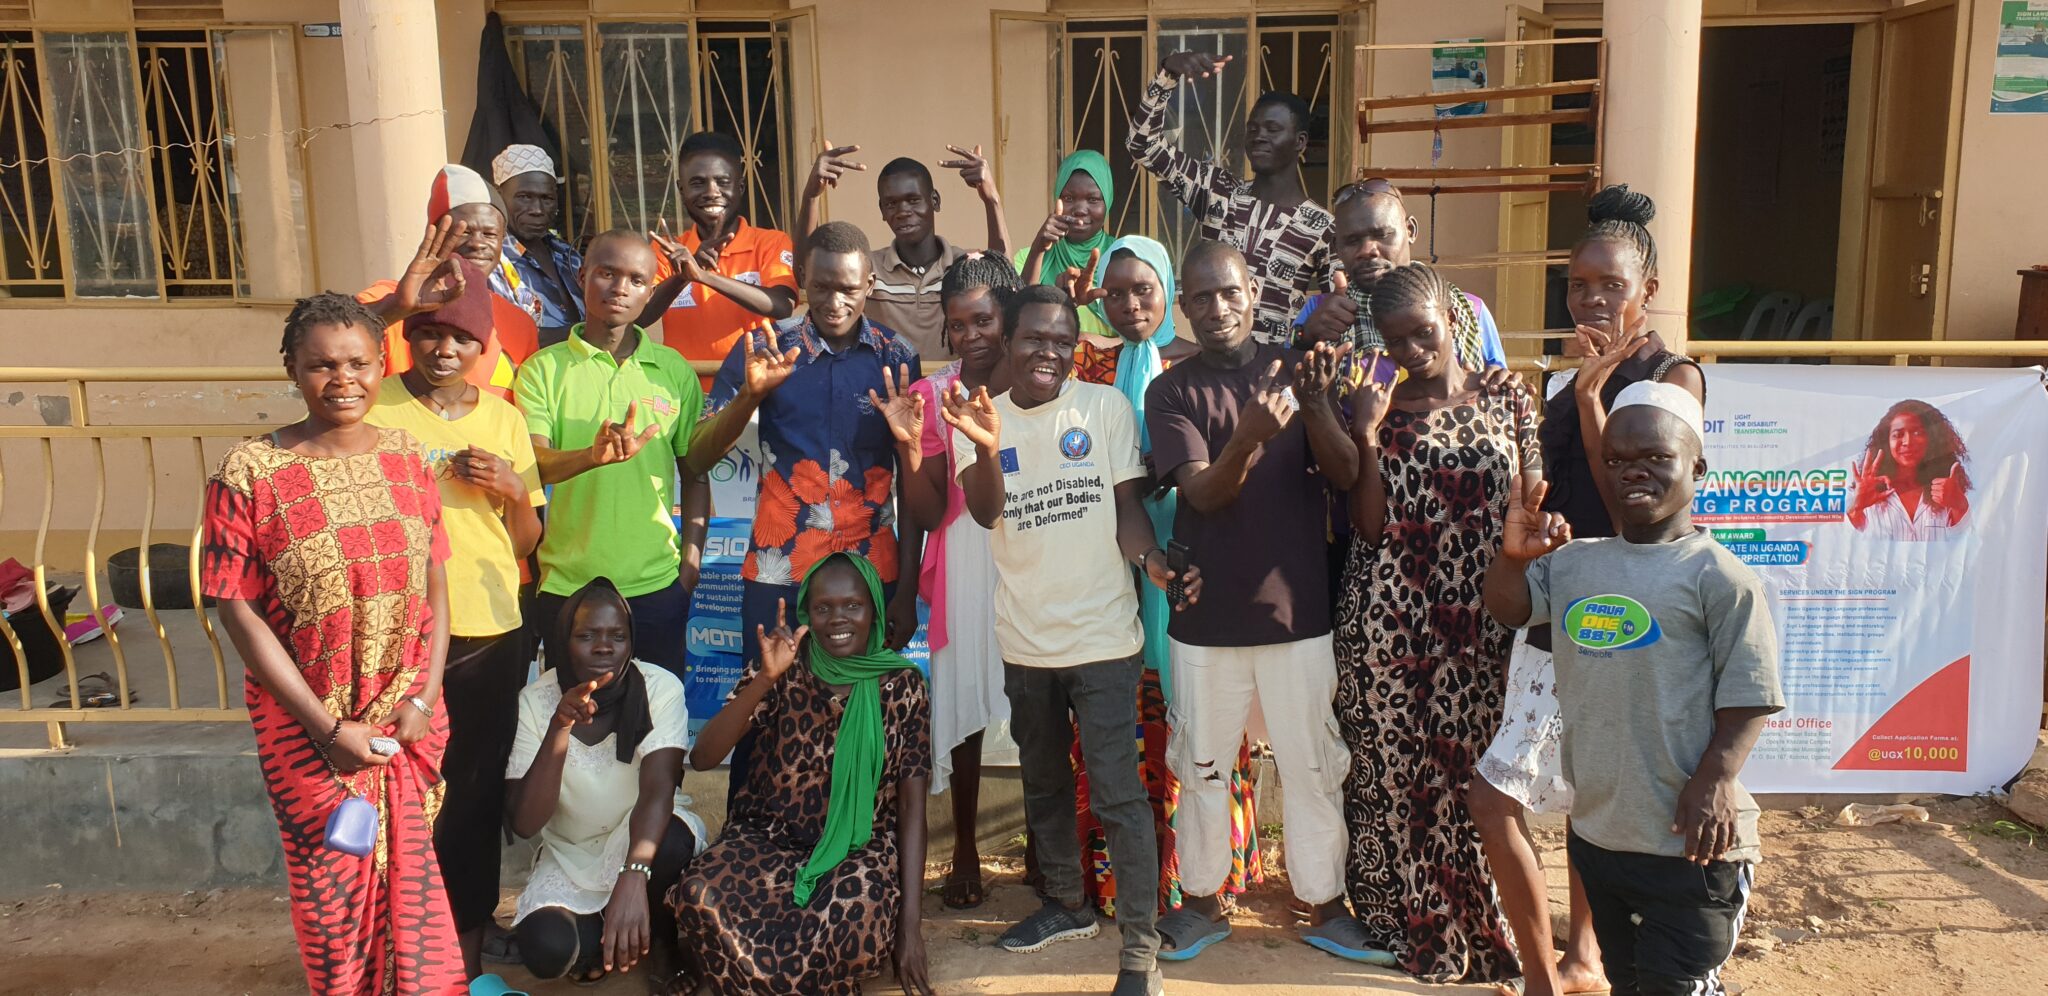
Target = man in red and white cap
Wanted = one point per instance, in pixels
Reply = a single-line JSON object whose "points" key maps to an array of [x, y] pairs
{"points": [[542, 262], [464, 219]]}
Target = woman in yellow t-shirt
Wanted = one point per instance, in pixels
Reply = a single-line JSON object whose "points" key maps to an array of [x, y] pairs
{"points": [[476, 445]]}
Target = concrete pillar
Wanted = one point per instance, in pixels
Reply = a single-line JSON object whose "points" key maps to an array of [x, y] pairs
{"points": [[1653, 109], [392, 57]]}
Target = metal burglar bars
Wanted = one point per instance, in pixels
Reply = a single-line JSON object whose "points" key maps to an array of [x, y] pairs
{"points": [[181, 452]]}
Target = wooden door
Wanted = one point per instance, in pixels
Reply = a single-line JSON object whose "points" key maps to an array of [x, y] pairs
{"points": [[1029, 78], [1916, 131], [1524, 216]]}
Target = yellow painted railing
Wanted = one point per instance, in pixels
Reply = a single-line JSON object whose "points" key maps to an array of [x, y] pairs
{"points": [[185, 440]]}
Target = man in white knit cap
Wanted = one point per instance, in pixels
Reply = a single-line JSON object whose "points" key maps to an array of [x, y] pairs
{"points": [[548, 268], [1667, 665]]}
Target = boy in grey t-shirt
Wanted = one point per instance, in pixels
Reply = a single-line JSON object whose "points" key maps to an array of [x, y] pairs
{"points": [[1666, 667]]}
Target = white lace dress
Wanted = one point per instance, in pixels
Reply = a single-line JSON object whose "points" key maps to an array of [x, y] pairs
{"points": [[1523, 759], [584, 844]]}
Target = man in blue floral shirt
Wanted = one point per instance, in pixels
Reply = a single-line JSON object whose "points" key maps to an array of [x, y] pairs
{"points": [[545, 270]]}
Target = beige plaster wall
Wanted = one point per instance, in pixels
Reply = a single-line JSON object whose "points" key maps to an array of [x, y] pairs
{"points": [[2001, 205]]}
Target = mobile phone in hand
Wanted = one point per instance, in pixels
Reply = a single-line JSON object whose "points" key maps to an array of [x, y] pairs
{"points": [[1177, 562]]}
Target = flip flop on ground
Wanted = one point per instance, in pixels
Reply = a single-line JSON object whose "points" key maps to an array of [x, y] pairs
{"points": [[1345, 937], [1187, 932]]}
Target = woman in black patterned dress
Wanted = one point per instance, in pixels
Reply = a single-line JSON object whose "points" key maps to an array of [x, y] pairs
{"points": [[1420, 662]]}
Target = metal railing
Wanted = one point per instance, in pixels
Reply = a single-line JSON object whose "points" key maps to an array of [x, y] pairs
{"points": [[183, 442]]}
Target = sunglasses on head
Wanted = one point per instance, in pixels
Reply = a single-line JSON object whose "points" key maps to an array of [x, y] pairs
{"points": [[1371, 187]]}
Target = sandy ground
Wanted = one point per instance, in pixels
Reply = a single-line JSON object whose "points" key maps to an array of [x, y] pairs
{"points": [[1949, 908]]}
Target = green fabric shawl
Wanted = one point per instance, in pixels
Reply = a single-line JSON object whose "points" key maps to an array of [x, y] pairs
{"points": [[1066, 254], [859, 750]]}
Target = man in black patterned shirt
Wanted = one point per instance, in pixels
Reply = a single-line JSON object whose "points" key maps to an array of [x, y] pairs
{"points": [[1284, 236]]}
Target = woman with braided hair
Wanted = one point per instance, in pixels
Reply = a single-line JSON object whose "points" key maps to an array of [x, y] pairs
{"points": [[1419, 661]]}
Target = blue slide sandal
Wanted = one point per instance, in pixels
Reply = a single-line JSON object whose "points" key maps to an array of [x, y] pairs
{"points": [[1190, 933]]}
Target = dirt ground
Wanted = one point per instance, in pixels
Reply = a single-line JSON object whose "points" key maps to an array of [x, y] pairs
{"points": [[1955, 907]]}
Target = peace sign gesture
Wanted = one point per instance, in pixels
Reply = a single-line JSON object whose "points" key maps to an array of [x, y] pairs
{"points": [[778, 648], [976, 417], [616, 442], [578, 706], [766, 369], [903, 407], [1531, 532], [1079, 281], [434, 278], [973, 169], [830, 165]]}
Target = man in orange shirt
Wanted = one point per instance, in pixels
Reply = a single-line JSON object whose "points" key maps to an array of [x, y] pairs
{"points": [[463, 219], [723, 276]]}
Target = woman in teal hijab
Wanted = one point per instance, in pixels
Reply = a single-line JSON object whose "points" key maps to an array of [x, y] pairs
{"points": [[1131, 290], [818, 875], [1083, 193]]}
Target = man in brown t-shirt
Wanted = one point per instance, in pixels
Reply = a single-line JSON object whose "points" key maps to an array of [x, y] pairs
{"points": [[1250, 433]]}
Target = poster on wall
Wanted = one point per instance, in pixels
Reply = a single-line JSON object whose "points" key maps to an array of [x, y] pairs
{"points": [[2019, 83], [1454, 67], [1898, 518]]}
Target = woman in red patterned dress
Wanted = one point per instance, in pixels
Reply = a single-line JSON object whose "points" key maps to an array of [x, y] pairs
{"points": [[324, 546]]}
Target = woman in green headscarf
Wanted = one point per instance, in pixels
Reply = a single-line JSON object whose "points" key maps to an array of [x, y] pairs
{"points": [[1083, 192], [820, 867]]}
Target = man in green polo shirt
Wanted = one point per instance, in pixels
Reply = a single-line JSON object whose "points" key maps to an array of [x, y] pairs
{"points": [[610, 411]]}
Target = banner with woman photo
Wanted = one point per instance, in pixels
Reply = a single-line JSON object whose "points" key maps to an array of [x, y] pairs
{"points": [[1899, 519]]}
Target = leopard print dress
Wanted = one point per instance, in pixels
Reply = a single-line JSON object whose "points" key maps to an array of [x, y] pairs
{"points": [[1420, 686], [739, 930]]}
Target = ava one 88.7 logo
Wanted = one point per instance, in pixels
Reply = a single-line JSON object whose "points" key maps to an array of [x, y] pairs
{"points": [[1610, 622]]}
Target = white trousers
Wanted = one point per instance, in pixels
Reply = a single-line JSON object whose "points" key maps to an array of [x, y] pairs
{"points": [[1293, 684]]}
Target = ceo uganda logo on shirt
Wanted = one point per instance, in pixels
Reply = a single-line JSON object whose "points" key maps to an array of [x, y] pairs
{"points": [[1075, 444]]}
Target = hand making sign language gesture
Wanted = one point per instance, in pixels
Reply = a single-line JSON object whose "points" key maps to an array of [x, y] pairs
{"points": [[973, 169], [1335, 316], [766, 369], [1318, 373], [779, 646], [974, 417], [1271, 407], [830, 165], [1530, 531], [904, 409], [1195, 65], [694, 266], [579, 706], [1370, 402], [617, 443], [433, 278], [1079, 281]]}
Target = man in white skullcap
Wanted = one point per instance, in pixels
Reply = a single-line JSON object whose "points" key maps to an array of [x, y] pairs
{"points": [[1667, 665], [544, 263]]}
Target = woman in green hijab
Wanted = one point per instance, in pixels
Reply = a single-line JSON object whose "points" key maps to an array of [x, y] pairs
{"points": [[1083, 193], [820, 867]]}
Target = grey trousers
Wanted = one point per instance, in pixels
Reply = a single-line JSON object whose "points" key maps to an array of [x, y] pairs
{"points": [[1047, 705]]}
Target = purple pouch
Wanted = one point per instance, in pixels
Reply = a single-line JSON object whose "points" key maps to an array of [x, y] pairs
{"points": [[352, 827]]}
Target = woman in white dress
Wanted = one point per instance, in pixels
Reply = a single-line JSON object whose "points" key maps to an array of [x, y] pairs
{"points": [[1910, 484], [958, 578], [595, 766]]}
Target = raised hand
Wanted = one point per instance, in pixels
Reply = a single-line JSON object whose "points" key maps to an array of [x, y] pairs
{"points": [[1056, 226], [579, 705], [975, 417], [1530, 531], [433, 278], [1871, 487], [766, 369], [903, 407], [1190, 65], [1371, 400], [1335, 317], [1269, 410], [487, 472], [973, 169], [1601, 353], [1318, 372], [830, 165], [679, 256], [1079, 281], [778, 647], [1951, 491], [710, 249], [617, 443]]}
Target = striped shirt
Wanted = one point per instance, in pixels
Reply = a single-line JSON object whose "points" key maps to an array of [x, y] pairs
{"points": [[907, 301], [1289, 250]]}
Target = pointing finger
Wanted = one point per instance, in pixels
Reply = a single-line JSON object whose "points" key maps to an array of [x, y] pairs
{"points": [[781, 614], [1536, 495]]}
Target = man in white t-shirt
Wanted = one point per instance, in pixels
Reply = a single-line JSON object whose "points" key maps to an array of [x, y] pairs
{"points": [[1052, 467]]}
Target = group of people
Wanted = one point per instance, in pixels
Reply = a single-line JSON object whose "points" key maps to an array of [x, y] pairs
{"points": [[1323, 494]]}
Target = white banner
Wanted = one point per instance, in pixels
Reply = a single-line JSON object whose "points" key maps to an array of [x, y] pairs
{"points": [[1899, 520]]}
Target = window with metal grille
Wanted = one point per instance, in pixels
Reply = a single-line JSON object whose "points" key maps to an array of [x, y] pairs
{"points": [[122, 175], [618, 99]]}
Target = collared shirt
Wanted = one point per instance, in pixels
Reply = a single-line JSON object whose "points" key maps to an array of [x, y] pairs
{"points": [[702, 324], [1289, 250], [615, 521], [555, 304], [829, 459], [908, 301]]}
